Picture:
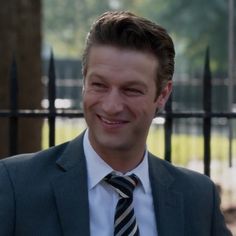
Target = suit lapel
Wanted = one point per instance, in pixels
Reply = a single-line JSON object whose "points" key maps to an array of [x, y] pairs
{"points": [[70, 189], [168, 203], [71, 194]]}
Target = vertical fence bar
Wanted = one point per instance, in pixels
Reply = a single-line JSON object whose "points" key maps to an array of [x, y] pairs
{"points": [[51, 100], [231, 65], [13, 122], [207, 87], [168, 129]]}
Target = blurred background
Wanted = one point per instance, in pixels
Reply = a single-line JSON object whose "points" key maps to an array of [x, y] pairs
{"points": [[31, 30]]}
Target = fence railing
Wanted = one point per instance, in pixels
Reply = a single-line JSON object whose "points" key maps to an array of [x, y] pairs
{"points": [[52, 113]]}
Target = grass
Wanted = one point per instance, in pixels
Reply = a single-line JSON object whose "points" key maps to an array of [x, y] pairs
{"points": [[185, 147]]}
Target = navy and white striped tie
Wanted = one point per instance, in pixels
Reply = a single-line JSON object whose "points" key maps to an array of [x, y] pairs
{"points": [[125, 221]]}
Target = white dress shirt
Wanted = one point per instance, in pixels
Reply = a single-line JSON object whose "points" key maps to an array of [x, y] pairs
{"points": [[103, 198]]}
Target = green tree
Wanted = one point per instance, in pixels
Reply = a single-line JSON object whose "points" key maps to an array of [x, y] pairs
{"points": [[66, 22], [194, 25]]}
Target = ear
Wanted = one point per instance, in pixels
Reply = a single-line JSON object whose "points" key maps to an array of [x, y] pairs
{"points": [[164, 95]]}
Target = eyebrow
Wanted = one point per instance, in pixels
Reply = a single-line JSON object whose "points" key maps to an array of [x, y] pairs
{"points": [[95, 75], [133, 82], [136, 83]]}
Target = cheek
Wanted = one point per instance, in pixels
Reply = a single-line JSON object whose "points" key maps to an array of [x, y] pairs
{"points": [[88, 101], [144, 109], [89, 98], [145, 104]]}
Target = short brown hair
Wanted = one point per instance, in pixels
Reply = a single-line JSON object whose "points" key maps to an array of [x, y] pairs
{"points": [[126, 30]]}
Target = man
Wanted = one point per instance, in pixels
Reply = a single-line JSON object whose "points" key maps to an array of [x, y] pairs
{"points": [[105, 182]]}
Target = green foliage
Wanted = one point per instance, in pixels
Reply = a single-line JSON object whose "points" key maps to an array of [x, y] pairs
{"points": [[193, 24], [197, 23], [66, 22]]}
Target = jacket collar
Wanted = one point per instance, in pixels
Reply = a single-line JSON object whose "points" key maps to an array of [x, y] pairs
{"points": [[168, 202], [71, 194], [70, 190]]}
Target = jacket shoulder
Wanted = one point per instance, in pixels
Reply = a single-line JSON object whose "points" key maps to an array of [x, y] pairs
{"points": [[180, 176], [28, 158], [26, 168]]}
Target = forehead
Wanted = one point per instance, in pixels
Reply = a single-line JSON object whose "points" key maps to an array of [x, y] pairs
{"points": [[103, 58]]}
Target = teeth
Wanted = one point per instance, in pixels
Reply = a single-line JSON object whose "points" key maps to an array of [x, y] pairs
{"points": [[110, 122]]}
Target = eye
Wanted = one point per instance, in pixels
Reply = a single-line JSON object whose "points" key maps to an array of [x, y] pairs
{"points": [[133, 91], [98, 86]]}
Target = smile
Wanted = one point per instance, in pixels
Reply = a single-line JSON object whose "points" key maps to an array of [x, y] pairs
{"points": [[111, 122]]}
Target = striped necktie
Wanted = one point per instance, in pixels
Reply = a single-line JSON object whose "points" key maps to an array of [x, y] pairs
{"points": [[125, 222]]}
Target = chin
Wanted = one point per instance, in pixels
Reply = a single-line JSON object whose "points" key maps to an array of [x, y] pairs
{"points": [[112, 144]]}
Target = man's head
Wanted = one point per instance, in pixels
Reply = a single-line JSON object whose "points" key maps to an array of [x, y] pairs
{"points": [[128, 31], [127, 66]]}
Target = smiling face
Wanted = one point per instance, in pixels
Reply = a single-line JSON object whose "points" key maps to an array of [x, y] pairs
{"points": [[119, 98]]}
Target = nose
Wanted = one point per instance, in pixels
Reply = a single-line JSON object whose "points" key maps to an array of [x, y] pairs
{"points": [[112, 103]]}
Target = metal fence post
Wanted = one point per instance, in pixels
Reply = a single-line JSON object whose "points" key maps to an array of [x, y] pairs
{"points": [[13, 114], [51, 100], [207, 102], [168, 129], [13, 120], [231, 67]]}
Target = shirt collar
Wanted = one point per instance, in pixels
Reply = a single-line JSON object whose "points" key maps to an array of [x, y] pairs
{"points": [[97, 168]]}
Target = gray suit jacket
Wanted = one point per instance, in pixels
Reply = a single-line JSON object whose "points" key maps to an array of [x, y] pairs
{"points": [[45, 194]]}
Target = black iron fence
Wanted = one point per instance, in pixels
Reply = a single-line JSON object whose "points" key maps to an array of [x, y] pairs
{"points": [[14, 114]]}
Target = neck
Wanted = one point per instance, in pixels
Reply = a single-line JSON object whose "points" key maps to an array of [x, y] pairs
{"points": [[122, 161]]}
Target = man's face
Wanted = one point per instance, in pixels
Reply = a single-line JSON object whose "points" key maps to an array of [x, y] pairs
{"points": [[119, 98]]}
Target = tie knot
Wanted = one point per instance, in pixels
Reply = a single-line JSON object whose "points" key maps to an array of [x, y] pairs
{"points": [[124, 185]]}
